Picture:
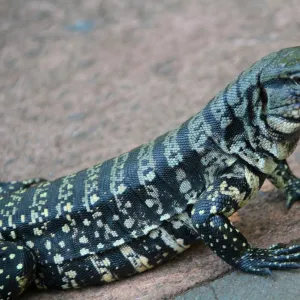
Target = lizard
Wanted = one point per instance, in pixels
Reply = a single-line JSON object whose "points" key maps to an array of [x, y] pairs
{"points": [[138, 210]]}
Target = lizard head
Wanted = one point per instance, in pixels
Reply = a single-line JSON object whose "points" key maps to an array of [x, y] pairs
{"points": [[280, 91]]}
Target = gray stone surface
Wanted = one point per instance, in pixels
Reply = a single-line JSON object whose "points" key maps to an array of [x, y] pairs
{"points": [[237, 286], [83, 81]]}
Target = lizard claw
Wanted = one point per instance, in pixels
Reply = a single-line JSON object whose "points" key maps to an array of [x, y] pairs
{"points": [[276, 257]]}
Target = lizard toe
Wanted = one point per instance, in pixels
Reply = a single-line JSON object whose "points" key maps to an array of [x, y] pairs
{"points": [[277, 257]]}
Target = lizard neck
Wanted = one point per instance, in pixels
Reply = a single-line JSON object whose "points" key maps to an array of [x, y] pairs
{"points": [[233, 119]]}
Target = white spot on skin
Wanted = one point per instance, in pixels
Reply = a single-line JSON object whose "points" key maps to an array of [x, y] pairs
{"points": [[149, 202], [185, 186], [106, 262], [128, 204], [180, 242], [107, 277], [46, 212], [150, 176], [48, 245], [71, 274], [116, 217], [68, 207], [180, 175], [62, 244], [94, 198], [86, 222], [210, 188], [165, 217], [147, 229], [213, 209], [118, 242], [58, 259], [177, 224], [30, 244], [172, 150], [129, 222], [83, 240], [66, 228], [121, 189], [84, 251], [99, 223], [100, 246], [37, 231]]}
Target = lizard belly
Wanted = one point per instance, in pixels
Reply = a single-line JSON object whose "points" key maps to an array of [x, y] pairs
{"points": [[159, 245]]}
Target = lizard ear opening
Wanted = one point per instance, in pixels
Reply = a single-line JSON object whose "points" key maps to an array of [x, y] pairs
{"points": [[263, 96]]}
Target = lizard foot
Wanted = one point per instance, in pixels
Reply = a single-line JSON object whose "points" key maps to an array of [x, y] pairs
{"points": [[276, 257], [292, 192]]}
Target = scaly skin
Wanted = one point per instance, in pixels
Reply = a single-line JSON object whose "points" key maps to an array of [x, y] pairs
{"points": [[138, 210]]}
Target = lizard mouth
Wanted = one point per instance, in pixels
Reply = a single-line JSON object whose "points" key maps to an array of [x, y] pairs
{"points": [[285, 119], [288, 112]]}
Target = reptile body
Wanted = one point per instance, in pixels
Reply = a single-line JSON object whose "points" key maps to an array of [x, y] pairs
{"points": [[135, 211]]}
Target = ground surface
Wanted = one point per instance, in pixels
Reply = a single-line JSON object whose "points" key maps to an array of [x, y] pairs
{"points": [[247, 287], [82, 81]]}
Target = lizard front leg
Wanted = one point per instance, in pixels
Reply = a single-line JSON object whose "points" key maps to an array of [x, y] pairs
{"points": [[210, 218], [285, 180]]}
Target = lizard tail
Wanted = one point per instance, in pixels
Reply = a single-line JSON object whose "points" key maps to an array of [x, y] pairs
{"points": [[17, 269]]}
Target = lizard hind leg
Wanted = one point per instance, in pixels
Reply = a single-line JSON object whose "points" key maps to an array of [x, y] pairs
{"points": [[17, 267]]}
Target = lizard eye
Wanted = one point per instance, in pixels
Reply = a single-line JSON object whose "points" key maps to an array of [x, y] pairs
{"points": [[296, 79]]}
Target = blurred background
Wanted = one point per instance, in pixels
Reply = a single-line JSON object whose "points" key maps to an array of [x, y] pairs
{"points": [[83, 81]]}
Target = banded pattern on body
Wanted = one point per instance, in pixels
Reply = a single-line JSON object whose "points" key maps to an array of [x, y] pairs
{"points": [[135, 211]]}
